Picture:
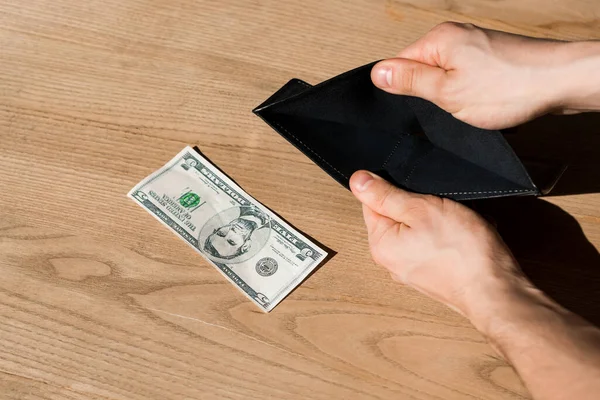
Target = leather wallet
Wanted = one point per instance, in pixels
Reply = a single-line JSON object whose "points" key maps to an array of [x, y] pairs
{"points": [[346, 124]]}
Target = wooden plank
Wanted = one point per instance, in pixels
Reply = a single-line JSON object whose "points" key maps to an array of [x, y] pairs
{"points": [[99, 301]]}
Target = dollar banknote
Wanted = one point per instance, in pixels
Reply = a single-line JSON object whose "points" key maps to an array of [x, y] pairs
{"points": [[252, 247]]}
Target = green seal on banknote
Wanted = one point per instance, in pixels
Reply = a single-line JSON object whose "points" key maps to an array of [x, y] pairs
{"points": [[250, 245], [189, 200]]}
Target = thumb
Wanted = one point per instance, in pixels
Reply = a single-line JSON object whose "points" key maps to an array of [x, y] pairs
{"points": [[409, 77], [381, 196]]}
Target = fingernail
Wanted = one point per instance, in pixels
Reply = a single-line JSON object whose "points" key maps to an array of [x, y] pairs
{"points": [[383, 77], [362, 181]]}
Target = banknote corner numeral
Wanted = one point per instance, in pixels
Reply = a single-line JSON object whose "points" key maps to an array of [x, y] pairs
{"points": [[140, 196], [262, 300]]}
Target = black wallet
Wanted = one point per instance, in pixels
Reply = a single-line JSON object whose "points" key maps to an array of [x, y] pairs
{"points": [[346, 124]]}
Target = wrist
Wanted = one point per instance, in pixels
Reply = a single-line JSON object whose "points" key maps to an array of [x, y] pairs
{"points": [[513, 316], [497, 294], [508, 307], [577, 80]]}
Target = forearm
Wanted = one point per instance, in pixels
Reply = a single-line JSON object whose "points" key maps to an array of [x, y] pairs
{"points": [[556, 353], [577, 81]]}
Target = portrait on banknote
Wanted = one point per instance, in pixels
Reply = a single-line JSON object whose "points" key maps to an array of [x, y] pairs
{"points": [[235, 235], [252, 247]]}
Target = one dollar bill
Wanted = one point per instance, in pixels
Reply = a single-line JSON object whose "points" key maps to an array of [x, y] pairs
{"points": [[253, 248]]}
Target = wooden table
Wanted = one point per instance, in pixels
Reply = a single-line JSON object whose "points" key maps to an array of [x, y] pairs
{"points": [[99, 301]]}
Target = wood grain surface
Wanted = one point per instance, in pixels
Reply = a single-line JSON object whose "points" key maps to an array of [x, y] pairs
{"points": [[99, 301]]}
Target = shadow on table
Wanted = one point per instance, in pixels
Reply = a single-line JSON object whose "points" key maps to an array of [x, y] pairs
{"points": [[570, 140], [548, 242], [552, 250]]}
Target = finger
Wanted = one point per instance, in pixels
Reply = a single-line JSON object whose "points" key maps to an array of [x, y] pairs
{"points": [[370, 217], [429, 48], [421, 51], [376, 223], [408, 77], [380, 196], [379, 226]]}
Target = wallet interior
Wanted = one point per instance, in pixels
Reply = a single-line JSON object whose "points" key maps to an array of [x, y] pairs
{"points": [[346, 124]]}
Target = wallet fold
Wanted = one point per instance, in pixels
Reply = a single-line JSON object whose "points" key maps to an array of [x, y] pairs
{"points": [[346, 124]]}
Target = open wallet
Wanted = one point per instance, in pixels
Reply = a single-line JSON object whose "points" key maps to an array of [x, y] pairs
{"points": [[346, 124]]}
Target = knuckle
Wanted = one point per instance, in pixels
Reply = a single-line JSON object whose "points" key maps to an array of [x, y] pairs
{"points": [[433, 201], [454, 29], [448, 27], [480, 35], [425, 205], [420, 204]]}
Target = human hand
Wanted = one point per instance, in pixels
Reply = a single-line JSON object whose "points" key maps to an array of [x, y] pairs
{"points": [[437, 246], [493, 79]]}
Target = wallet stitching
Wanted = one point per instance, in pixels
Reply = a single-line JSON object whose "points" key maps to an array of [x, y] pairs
{"points": [[486, 192], [415, 165], [420, 159], [302, 83], [311, 150], [392, 153]]}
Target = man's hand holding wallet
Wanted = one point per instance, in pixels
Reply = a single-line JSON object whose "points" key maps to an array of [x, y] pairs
{"points": [[430, 123], [410, 135]]}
